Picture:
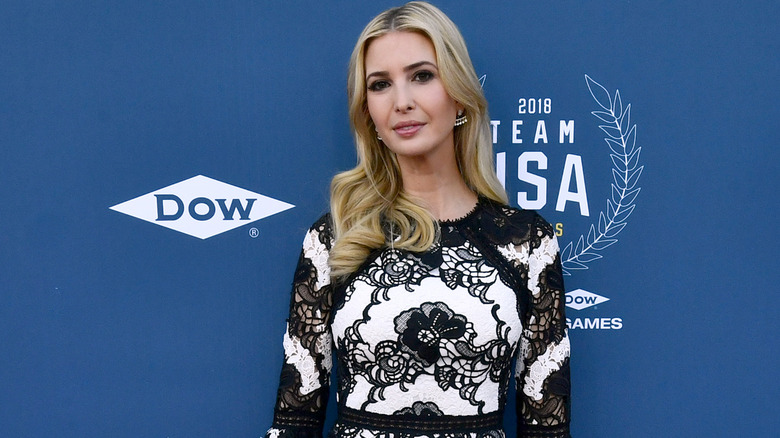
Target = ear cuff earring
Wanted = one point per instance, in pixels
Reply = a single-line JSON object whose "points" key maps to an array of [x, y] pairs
{"points": [[461, 120]]}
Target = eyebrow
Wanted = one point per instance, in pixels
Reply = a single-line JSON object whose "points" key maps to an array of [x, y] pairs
{"points": [[406, 69]]}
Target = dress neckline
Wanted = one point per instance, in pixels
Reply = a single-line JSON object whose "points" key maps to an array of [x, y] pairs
{"points": [[458, 220]]}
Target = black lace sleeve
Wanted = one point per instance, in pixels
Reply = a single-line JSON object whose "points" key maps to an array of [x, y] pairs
{"points": [[303, 385], [542, 374]]}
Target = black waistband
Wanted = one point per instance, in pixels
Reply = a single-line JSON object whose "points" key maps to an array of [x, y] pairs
{"points": [[422, 423]]}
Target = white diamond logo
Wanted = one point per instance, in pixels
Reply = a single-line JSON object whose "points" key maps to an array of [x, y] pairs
{"points": [[202, 207], [581, 299]]}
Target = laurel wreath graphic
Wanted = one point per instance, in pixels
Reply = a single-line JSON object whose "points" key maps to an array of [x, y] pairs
{"points": [[621, 139]]}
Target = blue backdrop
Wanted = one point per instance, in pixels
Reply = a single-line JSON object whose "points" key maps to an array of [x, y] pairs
{"points": [[114, 326]]}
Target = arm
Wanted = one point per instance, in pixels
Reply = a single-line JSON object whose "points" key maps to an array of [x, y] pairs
{"points": [[542, 374], [303, 387]]}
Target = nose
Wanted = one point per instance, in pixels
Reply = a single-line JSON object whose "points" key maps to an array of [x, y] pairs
{"points": [[404, 98]]}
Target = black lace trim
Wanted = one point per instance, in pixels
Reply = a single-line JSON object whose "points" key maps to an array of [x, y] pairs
{"points": [[477, 206], [283, 420], [297, 432], [559, 431], [420, 423]]}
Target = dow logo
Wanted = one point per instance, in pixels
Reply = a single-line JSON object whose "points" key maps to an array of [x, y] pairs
{"points": [[201, 207], [581, 299]]}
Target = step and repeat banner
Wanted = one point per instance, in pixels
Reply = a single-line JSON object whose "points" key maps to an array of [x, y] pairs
{"points": [[161, 161]]}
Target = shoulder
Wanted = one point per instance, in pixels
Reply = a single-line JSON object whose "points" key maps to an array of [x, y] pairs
{"points": [[504, 224], [321, 231]]}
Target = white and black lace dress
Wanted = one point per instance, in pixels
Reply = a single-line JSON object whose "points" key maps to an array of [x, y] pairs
{"points": [[425, 342]]}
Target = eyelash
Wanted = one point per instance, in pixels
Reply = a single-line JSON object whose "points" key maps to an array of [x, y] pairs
{"points": [[428, 76], [421, 76], [378, 85]]}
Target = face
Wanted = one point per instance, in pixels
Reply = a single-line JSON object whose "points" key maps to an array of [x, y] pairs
{"points": [[406, 99]]}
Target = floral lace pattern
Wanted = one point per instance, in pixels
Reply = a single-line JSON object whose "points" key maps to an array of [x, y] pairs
{"points": [[465, 266], [432, 340], [431, 335], [304, 382], [304, 363]]}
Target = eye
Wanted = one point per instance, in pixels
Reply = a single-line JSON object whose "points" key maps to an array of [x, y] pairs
{"points": [[378, 85], [423, 76]]}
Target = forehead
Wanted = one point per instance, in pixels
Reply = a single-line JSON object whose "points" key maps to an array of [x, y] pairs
{"points": [[396, 50]]}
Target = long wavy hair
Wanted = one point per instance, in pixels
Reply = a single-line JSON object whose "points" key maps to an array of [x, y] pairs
{"points": [[369, 200]]}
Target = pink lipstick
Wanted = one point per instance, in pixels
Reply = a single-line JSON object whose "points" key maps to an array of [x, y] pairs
{"points": [[408, 128]]}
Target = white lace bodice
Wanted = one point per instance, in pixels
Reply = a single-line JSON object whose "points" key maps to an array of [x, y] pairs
{"points": [[425, 341]]}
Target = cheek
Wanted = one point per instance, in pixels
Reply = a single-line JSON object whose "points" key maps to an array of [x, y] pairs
{"points": [[451, 107], [375, 110], [446, 107]]}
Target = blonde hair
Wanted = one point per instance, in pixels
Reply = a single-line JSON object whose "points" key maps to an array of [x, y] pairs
{"points": [[369, 200]]}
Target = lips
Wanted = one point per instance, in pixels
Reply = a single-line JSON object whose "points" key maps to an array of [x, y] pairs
{"points": [[408, 128]]}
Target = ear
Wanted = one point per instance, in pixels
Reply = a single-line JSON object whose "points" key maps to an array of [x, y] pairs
{"points": [[459, 106]]}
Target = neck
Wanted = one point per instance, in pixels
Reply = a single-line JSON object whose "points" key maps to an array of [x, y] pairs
{"points": [[440, 187]]}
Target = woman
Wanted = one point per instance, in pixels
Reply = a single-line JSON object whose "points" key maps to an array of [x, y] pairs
{"points": [[421, 277]]}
